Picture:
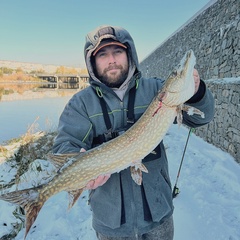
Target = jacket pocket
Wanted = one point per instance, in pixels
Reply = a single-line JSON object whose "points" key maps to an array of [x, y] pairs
{"points": [[166, 178], [90, 193], [105, 202], [158, 191]]}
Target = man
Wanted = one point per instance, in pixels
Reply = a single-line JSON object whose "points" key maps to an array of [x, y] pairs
{"points": [[116, 98]]}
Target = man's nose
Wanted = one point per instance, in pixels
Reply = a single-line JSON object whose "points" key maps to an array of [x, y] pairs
{"points": [[111, 58]]}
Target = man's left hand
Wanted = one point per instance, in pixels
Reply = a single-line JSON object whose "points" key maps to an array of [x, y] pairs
{"points": [[196, 79]]}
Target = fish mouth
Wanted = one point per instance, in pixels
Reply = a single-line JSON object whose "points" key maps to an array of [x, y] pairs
{"points": [[180, 84], [187, 63], [186, 66]]}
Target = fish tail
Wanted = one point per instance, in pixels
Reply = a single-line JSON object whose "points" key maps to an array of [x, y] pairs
{"points": [[29, 200]]}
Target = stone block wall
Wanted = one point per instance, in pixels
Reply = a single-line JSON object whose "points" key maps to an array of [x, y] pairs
{"points": [[214, 36], [224, 130]]}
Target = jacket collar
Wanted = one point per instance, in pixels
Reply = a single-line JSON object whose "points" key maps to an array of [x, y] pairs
{"points": [[120, 92]]}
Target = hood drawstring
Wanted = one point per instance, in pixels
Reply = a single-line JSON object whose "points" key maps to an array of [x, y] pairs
{"points": [[99, 92]]}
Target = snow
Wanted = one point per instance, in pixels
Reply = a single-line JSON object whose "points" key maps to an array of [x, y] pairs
{"points": [[207, 208]]}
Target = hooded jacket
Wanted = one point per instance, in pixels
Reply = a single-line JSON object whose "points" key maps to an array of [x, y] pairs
{"points": [[121, 207]]}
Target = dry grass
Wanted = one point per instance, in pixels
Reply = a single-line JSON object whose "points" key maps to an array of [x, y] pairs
{"points": [[30, 147]]}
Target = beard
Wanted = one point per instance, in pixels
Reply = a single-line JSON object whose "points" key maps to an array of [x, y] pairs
{"points": [[113, 80]]}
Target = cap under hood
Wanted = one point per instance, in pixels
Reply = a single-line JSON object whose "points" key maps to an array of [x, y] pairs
{"points": [[94, 38]]}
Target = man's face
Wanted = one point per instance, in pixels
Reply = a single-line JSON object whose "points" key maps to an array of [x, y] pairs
{"points": [[112, 65]]}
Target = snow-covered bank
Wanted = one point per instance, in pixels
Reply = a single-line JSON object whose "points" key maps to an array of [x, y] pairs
{"points": [[207, 208]]}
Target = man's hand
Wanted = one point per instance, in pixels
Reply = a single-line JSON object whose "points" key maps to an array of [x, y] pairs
{"points": [[99, 181], [196, 79]]}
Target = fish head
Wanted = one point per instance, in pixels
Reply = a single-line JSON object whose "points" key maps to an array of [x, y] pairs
{"points": [[180, 85]]}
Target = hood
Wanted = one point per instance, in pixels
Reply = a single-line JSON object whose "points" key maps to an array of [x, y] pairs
{"points": [[94, 38]]}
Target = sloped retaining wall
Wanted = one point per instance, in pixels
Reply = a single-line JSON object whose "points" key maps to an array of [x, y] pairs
{"points": [[224, 130]]}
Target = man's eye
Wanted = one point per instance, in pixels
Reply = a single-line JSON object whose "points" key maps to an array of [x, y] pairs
{"points": [[118, 51], [101, 54]]}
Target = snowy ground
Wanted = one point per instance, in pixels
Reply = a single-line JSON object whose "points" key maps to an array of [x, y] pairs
{"points": [[207, 208]]}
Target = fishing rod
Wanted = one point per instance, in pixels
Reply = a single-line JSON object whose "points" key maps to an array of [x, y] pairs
{"points": [[176, 190]]}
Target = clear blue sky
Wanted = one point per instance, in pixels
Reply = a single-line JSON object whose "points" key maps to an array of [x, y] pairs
{"points": [[53, 31]]}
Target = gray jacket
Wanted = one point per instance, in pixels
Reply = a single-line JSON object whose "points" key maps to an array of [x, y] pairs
{"points": [[120, 207]]}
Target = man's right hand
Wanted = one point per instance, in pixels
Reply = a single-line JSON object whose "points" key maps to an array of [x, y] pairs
{"points": [[99, 181]]}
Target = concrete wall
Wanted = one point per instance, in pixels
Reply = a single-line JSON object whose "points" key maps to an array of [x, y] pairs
{"points": [[214, 36]]}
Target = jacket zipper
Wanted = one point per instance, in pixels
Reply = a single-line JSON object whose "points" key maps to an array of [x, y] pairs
{"points": [[122, 109], [135, 229]]}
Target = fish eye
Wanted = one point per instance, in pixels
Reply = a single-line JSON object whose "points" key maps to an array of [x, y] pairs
{"points": [[174, 73]]}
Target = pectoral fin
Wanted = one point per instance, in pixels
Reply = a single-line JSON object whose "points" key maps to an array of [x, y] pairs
{"points": [[190, 111]]}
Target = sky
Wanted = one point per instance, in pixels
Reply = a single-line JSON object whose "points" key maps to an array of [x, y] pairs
{"points": [[53, 32], [206, 208]]}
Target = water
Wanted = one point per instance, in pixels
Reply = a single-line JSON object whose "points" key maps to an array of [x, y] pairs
{"points": [[17, 116]]}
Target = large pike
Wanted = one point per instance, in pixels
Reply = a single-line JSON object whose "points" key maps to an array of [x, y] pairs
{"points": [[124, 151]]}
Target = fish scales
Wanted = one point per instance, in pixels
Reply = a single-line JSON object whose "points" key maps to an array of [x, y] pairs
{"points": [[124, 151]]}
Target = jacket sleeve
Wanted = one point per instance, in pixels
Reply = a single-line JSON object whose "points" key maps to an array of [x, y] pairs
{"points": [[203, 100], [74, 128]]}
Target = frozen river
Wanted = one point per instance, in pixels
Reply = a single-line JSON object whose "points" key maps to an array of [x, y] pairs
{"points": [[17, 116]]}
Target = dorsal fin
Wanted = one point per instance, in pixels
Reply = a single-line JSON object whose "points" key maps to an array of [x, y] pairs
{"points": [[58, 160]]}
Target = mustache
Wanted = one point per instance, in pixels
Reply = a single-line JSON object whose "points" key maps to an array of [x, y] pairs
{"points": [[111, 67]]}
